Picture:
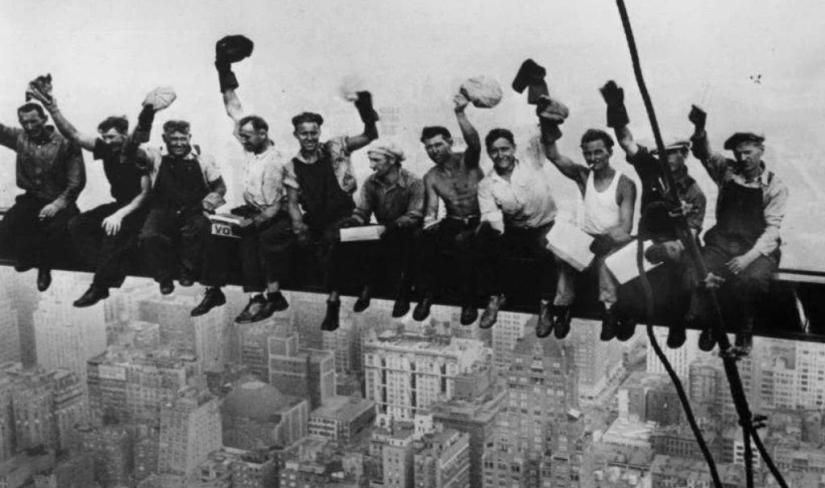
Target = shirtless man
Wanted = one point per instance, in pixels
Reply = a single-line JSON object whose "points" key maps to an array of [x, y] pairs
{"points": [[609, 200], [454, 179]]}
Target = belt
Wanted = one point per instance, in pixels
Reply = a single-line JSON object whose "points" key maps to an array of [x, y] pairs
{"points": [[471, 220]]}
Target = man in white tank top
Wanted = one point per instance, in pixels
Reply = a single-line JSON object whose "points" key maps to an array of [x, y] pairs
{"points": [[609, 199]]}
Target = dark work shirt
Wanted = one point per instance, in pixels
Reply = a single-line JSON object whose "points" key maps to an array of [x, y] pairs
{"points": [[180, 183], [402, 202], [51, 169], [649, 170], [123, 171], [321, 196]]}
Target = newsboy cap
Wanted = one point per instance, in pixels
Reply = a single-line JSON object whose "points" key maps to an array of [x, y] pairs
{"points": [[741, 137]]}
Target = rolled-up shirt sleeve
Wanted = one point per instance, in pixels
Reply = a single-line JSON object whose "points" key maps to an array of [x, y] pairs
{"points": [[273, 184], [487, 205], [716, 164], [363, 211], [9, 135], [415, 207], [290, 178], [75, 176], [777, 199]]}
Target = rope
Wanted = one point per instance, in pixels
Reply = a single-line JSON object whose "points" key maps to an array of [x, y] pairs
{"points": [[732, 372]]}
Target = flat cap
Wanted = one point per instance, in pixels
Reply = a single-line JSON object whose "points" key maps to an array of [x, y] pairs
{"points": [[390, 149], [673, 144], [741, 137]]}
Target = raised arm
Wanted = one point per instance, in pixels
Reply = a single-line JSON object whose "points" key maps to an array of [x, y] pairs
{"points": [[714, 163], [69, 131], [234, 109], [549, 135], [431, 201], [472, 155], [8, 136], [370, 119]]}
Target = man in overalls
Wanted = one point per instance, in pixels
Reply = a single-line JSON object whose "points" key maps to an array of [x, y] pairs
{"points": [[186, 184], [743, 247], [320, 182], [656, 222]]}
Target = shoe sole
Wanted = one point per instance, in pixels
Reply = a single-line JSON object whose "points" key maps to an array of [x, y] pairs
{"points": [[198, 314]]}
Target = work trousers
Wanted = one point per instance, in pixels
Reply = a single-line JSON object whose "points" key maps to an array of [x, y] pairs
{"points": [[515, 242], [264, 253], [173, 240], [566, 283], [34, 242], [748, 288], [387, 261], [450, 239], [324, 245], [109, 255]]}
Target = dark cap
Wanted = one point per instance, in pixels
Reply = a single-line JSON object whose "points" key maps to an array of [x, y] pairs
{"points": [[741, 137]]}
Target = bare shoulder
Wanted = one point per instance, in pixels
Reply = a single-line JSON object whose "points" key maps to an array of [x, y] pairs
{"points": [[626, 182]]}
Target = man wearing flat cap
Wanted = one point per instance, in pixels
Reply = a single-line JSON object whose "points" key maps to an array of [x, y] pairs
{"points": [[743, 247], [396, 197], [320, 182], [656, 222]]}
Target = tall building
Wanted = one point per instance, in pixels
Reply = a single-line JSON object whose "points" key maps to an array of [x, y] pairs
{"points": [[9, 330], [535, 440], [45, 407], [112, 449], [67, 336], [407, 373], [24, 298], [810, 368], [597, 361], [442, 460], [205, 337], [147, 450], [131, 385], [302, 372], [253, 340], [646, 397], [71, 405], [190, 428], [508, 330], [7, 425], [344, 343], [680, 358]]}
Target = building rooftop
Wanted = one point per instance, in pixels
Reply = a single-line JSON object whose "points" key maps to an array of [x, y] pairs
{"points": [[257, 400], [342, 408]]}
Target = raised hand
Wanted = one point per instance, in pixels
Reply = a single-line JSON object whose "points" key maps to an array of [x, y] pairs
{"points": [[460, 102], [697, 117]]}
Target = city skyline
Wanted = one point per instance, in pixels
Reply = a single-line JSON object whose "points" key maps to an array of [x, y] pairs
{"points": [[382, 402]]}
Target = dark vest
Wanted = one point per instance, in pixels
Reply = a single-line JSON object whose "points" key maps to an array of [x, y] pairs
{"points": [[321, 196], [740, 218]]}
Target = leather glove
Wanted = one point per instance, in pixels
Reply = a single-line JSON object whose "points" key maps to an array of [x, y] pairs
{"points": [[698, 118], [530, 73], [40, 89], [613, 95], [364, 105], [656, 253], [601, 245]]}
